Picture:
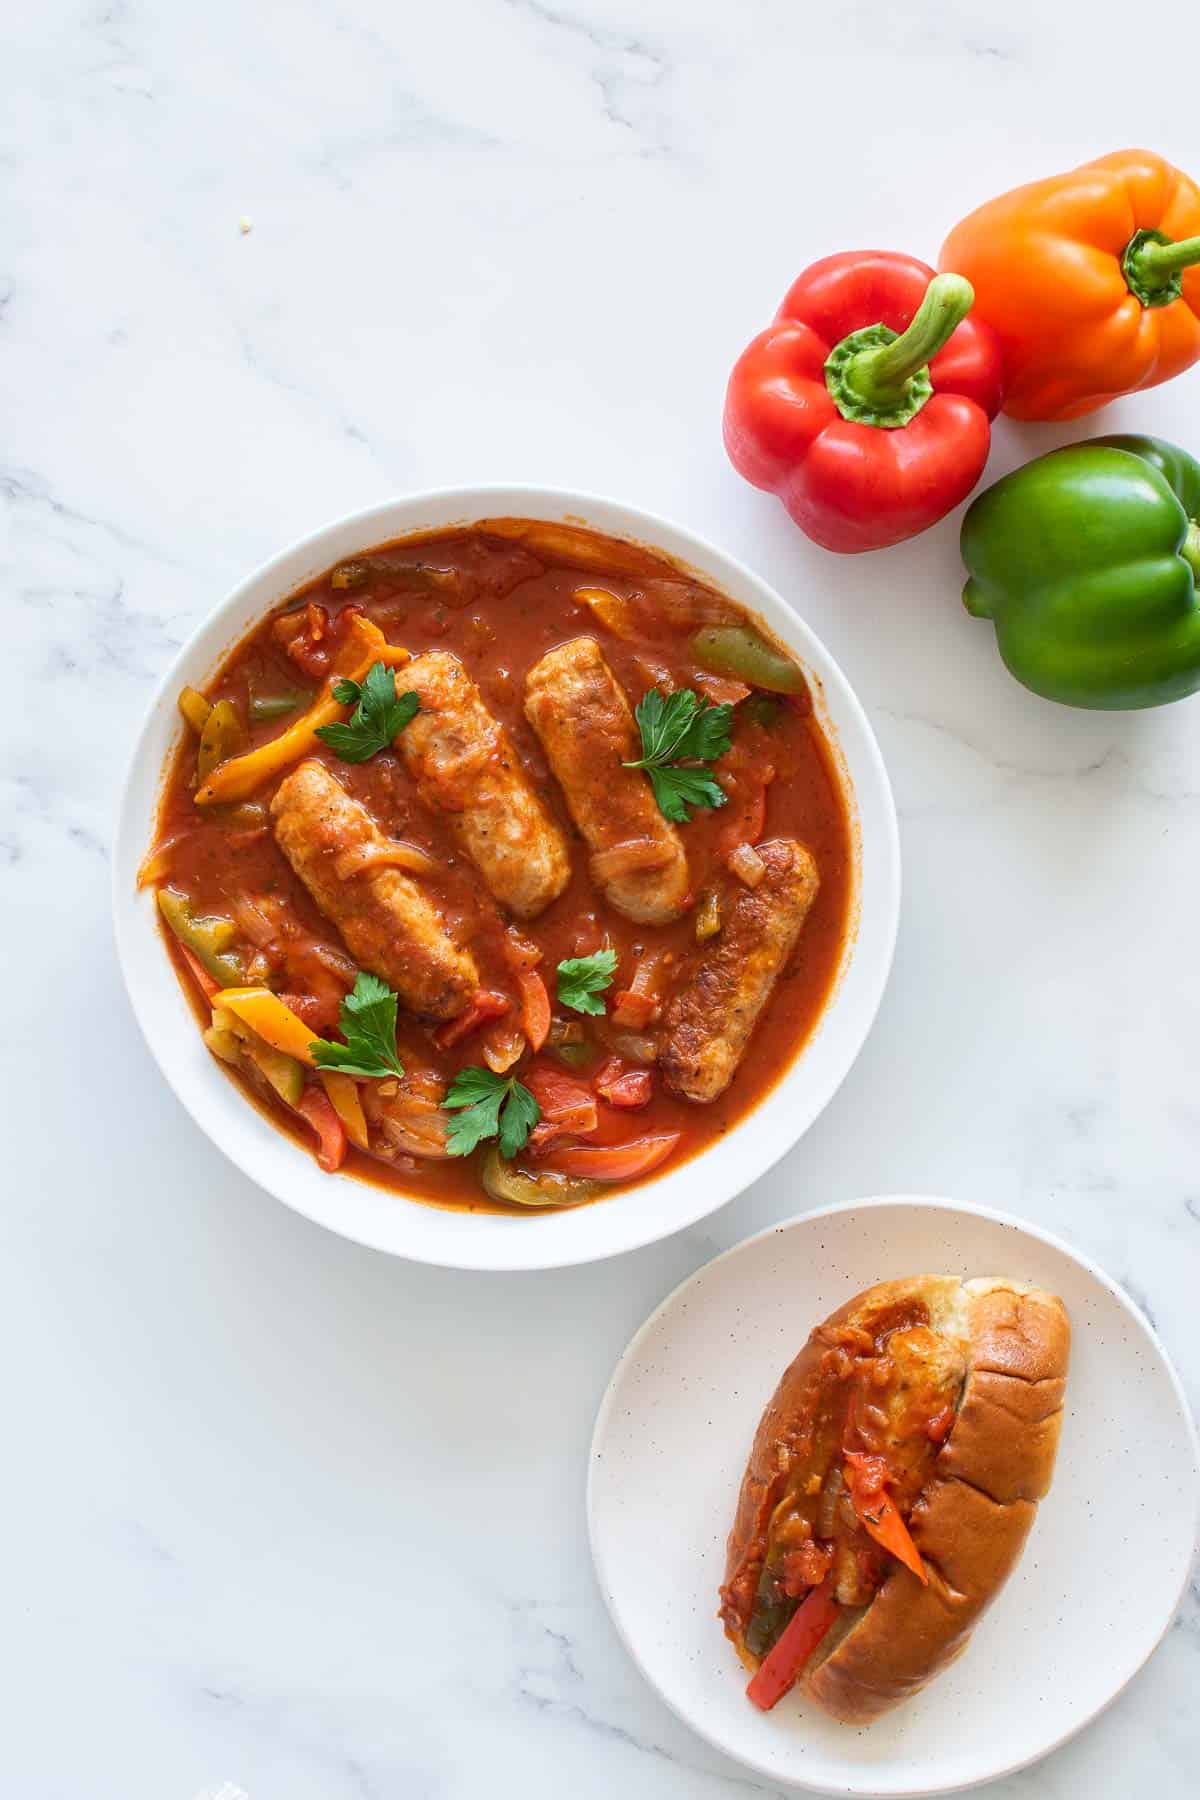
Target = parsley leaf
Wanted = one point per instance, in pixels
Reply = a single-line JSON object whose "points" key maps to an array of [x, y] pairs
{"points": [[379, 715], [489, 1105], [368, 1022], [677, 788], [582, 978], [683, 727]]}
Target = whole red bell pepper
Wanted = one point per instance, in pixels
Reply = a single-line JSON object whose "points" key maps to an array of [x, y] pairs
{"points": [[865, 407]]}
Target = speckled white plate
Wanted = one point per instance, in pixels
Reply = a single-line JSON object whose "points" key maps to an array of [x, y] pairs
{"points": [[1102, 1574]]}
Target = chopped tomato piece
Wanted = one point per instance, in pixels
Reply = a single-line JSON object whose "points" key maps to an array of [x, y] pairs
{"points": [[749, 821], [315, 1105], [519, 952], [878, 1512], [621, 1087], [484, 1005], [309, 648], [799, 1638], [320, 1013], [806, 1567], [568, 1108], [720, 689], [547, 1134], [633, 1012], [614, 1162], [535, 1007]]}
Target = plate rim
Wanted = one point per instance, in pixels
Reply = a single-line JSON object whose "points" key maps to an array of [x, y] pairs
{"points": [[878, 1202]]}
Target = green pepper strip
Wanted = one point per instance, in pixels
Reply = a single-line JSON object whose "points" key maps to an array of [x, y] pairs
{"points": [[207, 939]]}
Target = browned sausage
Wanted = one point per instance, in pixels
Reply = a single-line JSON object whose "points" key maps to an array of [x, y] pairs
{"points": [[579, 711], [389, 924], [708, 1023], [465, 766]]}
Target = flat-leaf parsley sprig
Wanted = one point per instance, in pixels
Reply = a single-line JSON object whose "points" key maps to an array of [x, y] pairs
{"points": [[680, 731], [367, 1018], [489, 1105], [379, 715], [582, 979]]}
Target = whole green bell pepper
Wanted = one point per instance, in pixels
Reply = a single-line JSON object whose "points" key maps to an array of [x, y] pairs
{"points": [[1087, 561]]}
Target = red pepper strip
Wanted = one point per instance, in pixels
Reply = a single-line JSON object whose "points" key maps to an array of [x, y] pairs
{"points": [[799, 1638], [315, 1105], [535, 1007], [613, 1162], [625, 1088], [866, 438], [878, 1512], [484, 1005], [204, 981]]}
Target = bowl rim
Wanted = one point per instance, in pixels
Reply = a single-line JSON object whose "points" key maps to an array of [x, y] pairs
{"points": [[529, 1246], [877, 1203]]}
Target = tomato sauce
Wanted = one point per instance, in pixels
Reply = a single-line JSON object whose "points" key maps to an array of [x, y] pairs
{"points": [[499, 599]]}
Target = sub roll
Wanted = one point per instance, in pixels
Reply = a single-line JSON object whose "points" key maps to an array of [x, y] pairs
{"points": [[578, 709], [892, 1483]]}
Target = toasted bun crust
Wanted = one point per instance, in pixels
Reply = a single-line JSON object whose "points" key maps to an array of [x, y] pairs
{"points": [[971, 1520]]}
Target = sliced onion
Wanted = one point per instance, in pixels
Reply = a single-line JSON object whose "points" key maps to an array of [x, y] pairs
{"points": [[336, 961], [610, 610], [253, 920], [156, 864], [631, 857], [747, 864], [393, 854], [831, 1493], [503, 1046], [419, 1137]]}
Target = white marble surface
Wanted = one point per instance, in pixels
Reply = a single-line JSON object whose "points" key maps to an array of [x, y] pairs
{"points": [[280, 1512]]}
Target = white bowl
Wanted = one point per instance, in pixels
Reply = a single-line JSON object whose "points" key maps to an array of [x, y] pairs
{"points": [[1103, 1572], [378, 1216]]}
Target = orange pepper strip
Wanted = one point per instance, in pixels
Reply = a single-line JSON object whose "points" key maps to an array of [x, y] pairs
{"points": [[881, 1517], [266, 1013], [362, 647], [343, 1092], [535, 1007]]}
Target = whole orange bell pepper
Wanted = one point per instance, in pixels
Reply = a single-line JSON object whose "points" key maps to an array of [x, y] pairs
{"points": [[1091, 281]]}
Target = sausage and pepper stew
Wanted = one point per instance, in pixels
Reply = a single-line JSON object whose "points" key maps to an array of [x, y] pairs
{"points": [[504, 865]]}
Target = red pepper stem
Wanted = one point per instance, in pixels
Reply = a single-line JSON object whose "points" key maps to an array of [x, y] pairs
{"points": [[882, 375], [878, 378]]}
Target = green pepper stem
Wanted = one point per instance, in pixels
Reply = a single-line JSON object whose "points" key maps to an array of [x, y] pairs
{"points": [[880, 377], [1190, 548]]}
